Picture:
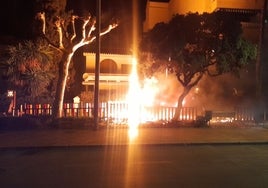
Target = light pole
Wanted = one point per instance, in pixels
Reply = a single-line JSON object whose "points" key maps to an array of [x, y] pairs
{"points": [[97, 66]]}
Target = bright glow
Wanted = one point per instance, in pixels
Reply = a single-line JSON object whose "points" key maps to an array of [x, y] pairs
{"points": [[196, 90], [145, 102], [183, 102], [141, 102], [133, 100], [222, 119], [149, 91], [117, 111], [10, 93], [132, 133]]}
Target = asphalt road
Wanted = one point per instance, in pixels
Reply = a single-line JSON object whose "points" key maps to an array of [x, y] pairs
{"points": [[136, 166]]}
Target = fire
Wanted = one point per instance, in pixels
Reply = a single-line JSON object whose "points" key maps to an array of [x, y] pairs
{"points": [[149, 91], [144, 103], [140, 100], [133, 100]]}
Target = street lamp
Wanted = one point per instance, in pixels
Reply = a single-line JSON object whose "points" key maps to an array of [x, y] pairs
{"points": [[97, 67], [12, 94]]}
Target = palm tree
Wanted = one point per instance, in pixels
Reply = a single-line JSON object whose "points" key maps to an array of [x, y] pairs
{"points": [[29, 70]]}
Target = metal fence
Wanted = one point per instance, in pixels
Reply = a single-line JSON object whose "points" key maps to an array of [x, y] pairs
{"points": [[118, 112]]}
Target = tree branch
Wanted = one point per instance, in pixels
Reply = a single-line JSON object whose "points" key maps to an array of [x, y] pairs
{"points": [[196, 80], [110, 27], [92, 28], [41, 17], [86, 21], [58, 26], [51, 44], [180, 79], [73, 18], [213, 74]]}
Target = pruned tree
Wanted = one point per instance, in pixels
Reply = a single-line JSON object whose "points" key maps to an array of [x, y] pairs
{"points": [[60, 30], [193, 45]]}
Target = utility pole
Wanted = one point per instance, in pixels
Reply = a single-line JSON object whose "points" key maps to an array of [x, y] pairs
{"points": [[259, 66], [97, 66]]}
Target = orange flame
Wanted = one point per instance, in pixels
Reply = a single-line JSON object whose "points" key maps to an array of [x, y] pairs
{"points": [[133, 100]]}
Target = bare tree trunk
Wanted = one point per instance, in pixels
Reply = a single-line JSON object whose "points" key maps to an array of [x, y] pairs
{"points": [[177, 114], [61, 84]]}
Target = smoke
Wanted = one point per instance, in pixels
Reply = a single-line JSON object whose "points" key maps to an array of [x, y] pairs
{"points": [[222, 93], [161, 89]]}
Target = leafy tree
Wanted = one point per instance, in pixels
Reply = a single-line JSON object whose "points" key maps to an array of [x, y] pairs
{"points": [[193, 45], [60, 30], [27, 68]]}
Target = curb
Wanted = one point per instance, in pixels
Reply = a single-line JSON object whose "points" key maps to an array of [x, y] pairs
{"points": [[17, 148]]}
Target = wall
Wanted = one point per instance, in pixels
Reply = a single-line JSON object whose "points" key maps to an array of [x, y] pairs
{"points": [[162, 12], [155, 12]]}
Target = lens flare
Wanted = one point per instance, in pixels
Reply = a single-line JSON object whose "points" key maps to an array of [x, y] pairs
{"points": [[133, 100]]}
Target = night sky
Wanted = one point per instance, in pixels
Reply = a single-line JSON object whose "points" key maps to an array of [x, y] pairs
{"points": [[16, 15]]}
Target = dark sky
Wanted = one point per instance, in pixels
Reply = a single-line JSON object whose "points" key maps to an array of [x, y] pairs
{"points": [[120, 40], [16, 15]]}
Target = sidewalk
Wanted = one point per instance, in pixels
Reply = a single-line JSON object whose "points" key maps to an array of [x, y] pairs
{"points": [[119, 136]]}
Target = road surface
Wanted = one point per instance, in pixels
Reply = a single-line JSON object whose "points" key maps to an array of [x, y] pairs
{"points": [[140, 166]]}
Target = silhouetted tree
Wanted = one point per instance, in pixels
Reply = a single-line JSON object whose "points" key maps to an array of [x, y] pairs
{"points": [[193, 45]]}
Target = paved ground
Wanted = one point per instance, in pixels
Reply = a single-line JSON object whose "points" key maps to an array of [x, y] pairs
{"points": [[120, 136], [203, 157]]}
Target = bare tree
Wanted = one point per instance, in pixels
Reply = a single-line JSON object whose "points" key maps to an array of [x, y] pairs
{"points": [[66, 44]]}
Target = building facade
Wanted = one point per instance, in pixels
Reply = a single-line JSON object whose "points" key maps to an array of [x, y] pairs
{"points": [[163, 11], [114, 73]]}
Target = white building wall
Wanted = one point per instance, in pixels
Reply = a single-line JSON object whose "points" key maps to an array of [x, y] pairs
{"points": [[155, 12], [162, 12]]}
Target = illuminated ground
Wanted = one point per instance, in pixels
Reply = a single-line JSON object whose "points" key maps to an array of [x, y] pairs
{"points": [[157, 157], [119, 136], [142, 166]]}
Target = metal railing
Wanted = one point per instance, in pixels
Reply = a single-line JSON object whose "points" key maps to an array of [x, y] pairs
{"points": [[118, 111]]}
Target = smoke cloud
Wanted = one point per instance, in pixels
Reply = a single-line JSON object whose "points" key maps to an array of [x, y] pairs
{"points": [[222, 93]]}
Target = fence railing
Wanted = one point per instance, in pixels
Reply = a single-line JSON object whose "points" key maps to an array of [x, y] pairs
{"points": [[118, 112], [244, 114], [115, 111]]}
